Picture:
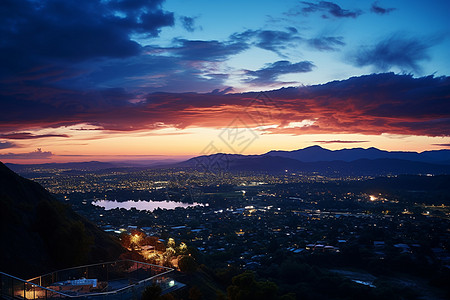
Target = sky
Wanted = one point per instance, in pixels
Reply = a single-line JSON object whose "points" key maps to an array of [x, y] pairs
{"points": [[152, 79]]}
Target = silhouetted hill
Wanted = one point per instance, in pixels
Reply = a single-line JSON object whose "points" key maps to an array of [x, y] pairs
{"points": [[276, 164], [317, 153], [40, 234]]}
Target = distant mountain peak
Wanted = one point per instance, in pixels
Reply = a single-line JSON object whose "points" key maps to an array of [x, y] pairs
{"points": [[317, 153], [313, 147]]}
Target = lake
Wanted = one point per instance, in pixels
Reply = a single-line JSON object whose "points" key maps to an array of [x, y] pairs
{"points": [[143, 205]]}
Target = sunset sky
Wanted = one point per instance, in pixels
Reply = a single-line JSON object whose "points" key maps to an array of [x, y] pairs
{"points": [[145, 80]]}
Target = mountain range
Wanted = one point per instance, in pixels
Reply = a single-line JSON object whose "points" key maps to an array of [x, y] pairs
{"points": [[317, 153], [315, 159]]}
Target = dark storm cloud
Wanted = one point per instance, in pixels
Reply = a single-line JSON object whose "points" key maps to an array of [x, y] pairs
{"points": [[399, 51], [380, 10], [329, 43], [329, 9], [371, 104], [38, 33], [269, 74], [6, 145], [155, 71], [37, 104], [29, 136], [179, 68], [84, 45], [187, 65]]}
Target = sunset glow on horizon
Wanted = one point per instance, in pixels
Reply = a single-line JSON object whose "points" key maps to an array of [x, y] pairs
{"points": [[158, 80]]}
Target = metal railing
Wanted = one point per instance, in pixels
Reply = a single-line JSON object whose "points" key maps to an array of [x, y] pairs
{"points": [[122, 279]]}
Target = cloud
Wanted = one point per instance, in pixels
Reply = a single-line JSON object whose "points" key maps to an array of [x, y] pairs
{"points": [[28, 136], [6, 145], [276, 40], [279, 41], [443, 145], [269, 74], [37, 154], [222, 92], [92, 45], [38, 33], [329, 43], [340, 142], [329, 9], [380, 10], [199, 50], [154, 72], [395, 51], [272, 40], [188, 23], [185, 65], [371, 104]]}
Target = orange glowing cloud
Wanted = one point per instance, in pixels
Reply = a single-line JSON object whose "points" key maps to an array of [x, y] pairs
{"points": [[372, 104]]}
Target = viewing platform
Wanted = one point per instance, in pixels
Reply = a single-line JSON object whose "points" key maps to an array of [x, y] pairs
{"points": [[123, 279]]}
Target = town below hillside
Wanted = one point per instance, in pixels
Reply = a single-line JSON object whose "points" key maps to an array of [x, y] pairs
{"points": [[293, 236]]}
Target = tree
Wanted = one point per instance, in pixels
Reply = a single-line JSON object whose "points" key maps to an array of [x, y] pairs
{"points": [[137, 238], [182, 248], [171, 243], [151, 240], [125, 240], [245, 287], [187, 264], [160, 246]]}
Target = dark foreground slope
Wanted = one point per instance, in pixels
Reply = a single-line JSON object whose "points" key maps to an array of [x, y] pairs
{"points": [[40, 234]]}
